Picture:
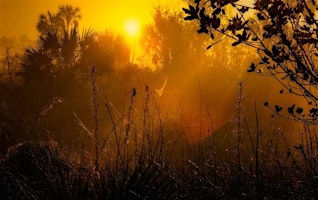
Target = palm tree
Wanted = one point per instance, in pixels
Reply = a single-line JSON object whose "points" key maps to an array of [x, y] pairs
{"points": [[49, 23], [62, 23], [69, 16]]}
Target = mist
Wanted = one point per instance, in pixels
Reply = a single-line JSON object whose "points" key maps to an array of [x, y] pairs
{"points": [[154, 110]]}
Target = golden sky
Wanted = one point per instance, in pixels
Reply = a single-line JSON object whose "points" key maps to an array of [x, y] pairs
{"points": [[18, 17]]}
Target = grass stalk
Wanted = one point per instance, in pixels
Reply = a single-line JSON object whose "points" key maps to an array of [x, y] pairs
{"points": [[239, 132], [256, 154], [95, 116]]}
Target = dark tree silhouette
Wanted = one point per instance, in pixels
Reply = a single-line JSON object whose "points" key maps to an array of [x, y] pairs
{"points": [[63, 56], [105, 50], [63, 22], [52, 56], [170, 41], [55, 72], [69, 17], [59, 34], [282, 32]]}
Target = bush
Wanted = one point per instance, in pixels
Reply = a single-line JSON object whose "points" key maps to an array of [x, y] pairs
{"points": [[35, 171]]}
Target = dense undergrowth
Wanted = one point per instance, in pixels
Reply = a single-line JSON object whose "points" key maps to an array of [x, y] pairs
{"points": [[142, 158]]}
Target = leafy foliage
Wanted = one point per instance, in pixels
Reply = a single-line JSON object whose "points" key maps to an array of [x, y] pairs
{"points": [[283, 33], [63, 22]]}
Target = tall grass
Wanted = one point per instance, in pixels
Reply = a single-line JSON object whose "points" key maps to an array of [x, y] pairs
{"points": [[142, 155]]}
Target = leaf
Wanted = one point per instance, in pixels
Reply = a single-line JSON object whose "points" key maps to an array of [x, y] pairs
{"points": [[202, 13], [265, 60], [299, 110], [212, 36], [187, 11], [193, 13], [217, 11], [189, 18], [278, 108], [252, 68], [275, 50], [191, 8], [203, 29], [216, 22], [313, 112], [291, 109], [260, 16], [236, 43], [244, 35]]}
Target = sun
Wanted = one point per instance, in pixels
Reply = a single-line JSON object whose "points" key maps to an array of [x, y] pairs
{"points": [[131, 27]]}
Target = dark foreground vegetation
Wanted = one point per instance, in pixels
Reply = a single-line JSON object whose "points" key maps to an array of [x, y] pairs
{"points": [[82, 118], [162, 169], [147, 156]]}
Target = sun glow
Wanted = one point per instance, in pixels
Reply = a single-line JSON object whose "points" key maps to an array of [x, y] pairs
{"points": [[132, 27]]}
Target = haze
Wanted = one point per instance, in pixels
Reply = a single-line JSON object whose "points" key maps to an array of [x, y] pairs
{"points": [[19, 17], [158, 99]]}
